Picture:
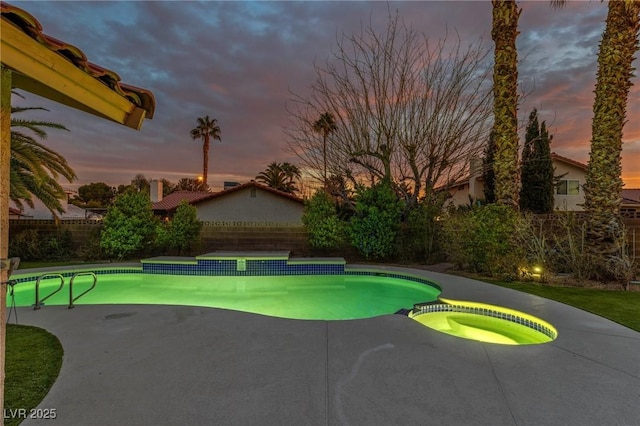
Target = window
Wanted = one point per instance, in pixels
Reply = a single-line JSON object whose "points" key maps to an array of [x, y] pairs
{"points": [[568, 187], [253, 193]]}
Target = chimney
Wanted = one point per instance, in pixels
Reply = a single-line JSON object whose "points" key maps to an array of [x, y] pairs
{"points": [[475, 171], [475, 167], [156, 190]]}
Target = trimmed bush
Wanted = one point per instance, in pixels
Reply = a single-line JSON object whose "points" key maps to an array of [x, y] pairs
{"points": [[182, 230], [419, 235], [485, 240], [32, 245], [129, 225], [374, 226], [321, 221]]}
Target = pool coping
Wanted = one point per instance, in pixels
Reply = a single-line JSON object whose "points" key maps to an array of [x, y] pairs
{"points": [[89, 267]]}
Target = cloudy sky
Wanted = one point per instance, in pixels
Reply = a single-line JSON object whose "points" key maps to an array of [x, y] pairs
{"points": [[240, 61]]}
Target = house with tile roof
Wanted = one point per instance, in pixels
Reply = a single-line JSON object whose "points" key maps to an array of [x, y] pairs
{"points": [[630, 203], [17, 214], [248, 204], [569, 193]]}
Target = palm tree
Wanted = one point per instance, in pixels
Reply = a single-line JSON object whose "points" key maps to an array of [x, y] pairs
{"points": [[280, 176], [504, 32], [325, 125], [604, 182], [34, 168], [205, 130]]}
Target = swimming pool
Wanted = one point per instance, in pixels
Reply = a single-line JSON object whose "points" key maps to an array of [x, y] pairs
{"points": [[274, 284], [321, 297]]}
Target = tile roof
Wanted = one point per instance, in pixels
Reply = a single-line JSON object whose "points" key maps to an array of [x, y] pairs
{"points": [[630, 196], [556, 157], [31, 26], [171, 202]]}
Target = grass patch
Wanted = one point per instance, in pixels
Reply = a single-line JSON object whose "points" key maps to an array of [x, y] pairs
{"points": [[619, 306], [33, 361]]}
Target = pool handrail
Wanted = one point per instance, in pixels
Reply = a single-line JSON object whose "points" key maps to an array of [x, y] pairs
{"points": [[73, 299], [39, 302]]}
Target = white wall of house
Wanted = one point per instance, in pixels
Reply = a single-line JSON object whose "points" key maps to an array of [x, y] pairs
{"points": [[460, 193], [569, 196], [250, 205]]}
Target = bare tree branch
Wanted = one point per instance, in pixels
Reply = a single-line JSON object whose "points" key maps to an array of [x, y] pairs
{"points": [[406, 109]]}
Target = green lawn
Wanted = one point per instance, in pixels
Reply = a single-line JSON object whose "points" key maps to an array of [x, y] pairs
{"points": [[620, 306], [33, 361]]}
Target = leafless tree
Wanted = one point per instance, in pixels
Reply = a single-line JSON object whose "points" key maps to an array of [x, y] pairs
{"points": [[406, 109]]}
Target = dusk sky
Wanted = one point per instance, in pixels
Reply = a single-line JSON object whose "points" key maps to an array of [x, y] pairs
{"points": [[239, 61]]}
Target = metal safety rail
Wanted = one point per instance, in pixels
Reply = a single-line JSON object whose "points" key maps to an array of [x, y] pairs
{"points": [[73, 299], [40, 302]]}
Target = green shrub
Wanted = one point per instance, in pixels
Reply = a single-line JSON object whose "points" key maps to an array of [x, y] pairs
{"points": [[57, 248], [129, 225], [376, 222], [32, 245], [182, 230], [485, 240], [418, 239], [90, 249], [454, 237], [26, 245], [321, 221]]}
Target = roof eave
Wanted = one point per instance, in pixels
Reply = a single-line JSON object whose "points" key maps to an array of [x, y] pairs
{"points": [[43, 72]]}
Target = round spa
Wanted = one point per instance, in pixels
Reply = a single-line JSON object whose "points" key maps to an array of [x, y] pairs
{"points": [[482, 322]]}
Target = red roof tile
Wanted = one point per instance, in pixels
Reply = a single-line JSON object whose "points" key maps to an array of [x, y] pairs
{"points": [[566, 160], [30, 26], [630, 196], [172, 201]]}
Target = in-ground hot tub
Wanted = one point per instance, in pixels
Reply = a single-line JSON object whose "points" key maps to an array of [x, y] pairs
{"points": [[483, 322]]}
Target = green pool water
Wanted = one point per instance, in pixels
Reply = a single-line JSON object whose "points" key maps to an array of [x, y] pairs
{"points": [[327, 297], [482, 328], [482, 322]]}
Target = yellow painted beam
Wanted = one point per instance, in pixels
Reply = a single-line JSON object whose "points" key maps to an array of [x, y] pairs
{"points": [[39, 70]]}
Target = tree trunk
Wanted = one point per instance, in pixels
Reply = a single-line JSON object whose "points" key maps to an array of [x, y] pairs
{"points": [[324, 160], [505, 91], [603, 182], [205, 158]]}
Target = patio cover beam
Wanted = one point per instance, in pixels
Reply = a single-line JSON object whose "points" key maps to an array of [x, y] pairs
{"points": [[37, 69]]}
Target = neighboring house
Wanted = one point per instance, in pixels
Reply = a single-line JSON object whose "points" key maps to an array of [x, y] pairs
{"points": [[630, 203], [17, 214], [572, 176], [249, 203], [71, 212], [569, 194]]}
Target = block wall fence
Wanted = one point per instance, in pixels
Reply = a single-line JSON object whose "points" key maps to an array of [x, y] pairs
{"points": [[239, 236], [213, 236]]}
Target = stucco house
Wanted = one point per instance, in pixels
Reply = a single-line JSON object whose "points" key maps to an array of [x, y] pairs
{"points": [[247, 204], [630, 203], [568, 196]]}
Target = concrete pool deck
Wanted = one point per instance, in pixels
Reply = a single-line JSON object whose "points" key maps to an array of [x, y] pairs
{"points": [[177, 365]]}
